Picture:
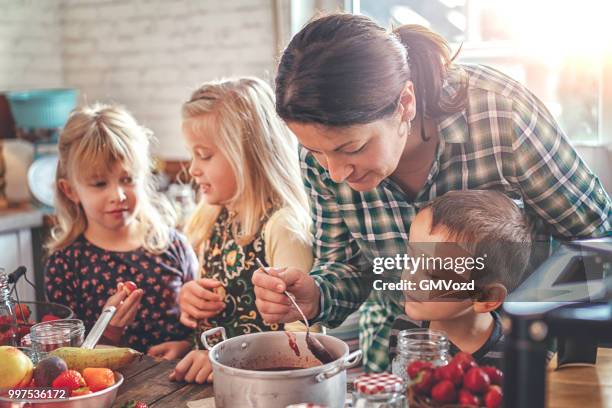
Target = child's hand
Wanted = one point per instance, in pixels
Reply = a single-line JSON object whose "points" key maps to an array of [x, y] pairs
{"points": [[198, 300], [195, 367], [170, 350], [127, 306]]}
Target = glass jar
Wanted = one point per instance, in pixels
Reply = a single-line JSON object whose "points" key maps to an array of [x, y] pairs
{"points": [[419, 344], [8, 324], [48, 336], [381, 390]]}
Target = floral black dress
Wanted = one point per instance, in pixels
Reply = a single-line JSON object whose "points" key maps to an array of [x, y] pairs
{"points": [[83, 276], [233, 265]]}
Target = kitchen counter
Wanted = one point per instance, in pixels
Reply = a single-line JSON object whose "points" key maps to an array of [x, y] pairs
{"points": [[20, 216], [21, 244]]}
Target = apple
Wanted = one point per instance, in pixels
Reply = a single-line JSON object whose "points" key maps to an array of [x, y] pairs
{"points": [[16, 368]]}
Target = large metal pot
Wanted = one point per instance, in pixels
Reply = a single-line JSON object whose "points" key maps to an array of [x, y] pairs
{"points": [[238, 383]]}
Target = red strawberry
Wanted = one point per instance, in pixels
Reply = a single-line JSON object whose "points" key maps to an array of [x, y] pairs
{"points": [[467, 398], [424, 381], [130, 286], [414, 367], [80, 391], [22, 311], [444, 391], [70, 380], [49, 318], [464, 360], [494, 373], [494, 397], [134, 404], [476, 380], [451, 372]]}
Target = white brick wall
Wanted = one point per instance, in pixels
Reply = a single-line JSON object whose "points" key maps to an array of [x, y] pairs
{"points": [[145, 54], [30, 44], [149, 55]]}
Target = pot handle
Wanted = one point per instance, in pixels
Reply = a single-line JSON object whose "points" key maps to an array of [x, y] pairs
{"points": [[210, 332], [349, 361]]}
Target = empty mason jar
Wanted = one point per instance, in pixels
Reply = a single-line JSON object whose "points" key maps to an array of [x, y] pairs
{"points": [[419, 344], [48, 336]]}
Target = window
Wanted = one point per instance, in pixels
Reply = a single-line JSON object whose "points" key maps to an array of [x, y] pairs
{"points": [[556, 49]]}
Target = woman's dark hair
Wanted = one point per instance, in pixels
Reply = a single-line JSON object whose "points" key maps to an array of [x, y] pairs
{"points": [[344, 69]]}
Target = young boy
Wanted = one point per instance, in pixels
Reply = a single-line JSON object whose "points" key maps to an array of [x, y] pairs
{"points": [[489, 228]]}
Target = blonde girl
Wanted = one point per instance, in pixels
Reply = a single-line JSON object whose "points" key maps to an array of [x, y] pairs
{"points": [[253, 205], [113, 228]]}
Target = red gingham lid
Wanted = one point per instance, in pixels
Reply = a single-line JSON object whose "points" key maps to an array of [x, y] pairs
{"points": [[306, 405], [377, 383]]}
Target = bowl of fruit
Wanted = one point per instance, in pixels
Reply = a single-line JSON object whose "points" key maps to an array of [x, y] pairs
{"points": [[69, 377], [28, 314], [461, 383]]}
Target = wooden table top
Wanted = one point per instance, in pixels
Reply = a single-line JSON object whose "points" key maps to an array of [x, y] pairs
{"points": [[147, 380], [588, 386], [569, 387]]}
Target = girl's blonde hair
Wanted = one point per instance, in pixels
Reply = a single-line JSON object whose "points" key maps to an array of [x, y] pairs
{"points": [[261, 150], [95, 139]]}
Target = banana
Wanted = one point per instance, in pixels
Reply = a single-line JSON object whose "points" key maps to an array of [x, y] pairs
{"points": [[114, 358]]}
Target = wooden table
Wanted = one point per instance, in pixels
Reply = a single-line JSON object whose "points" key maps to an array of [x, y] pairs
{"points": [[147, 380], [570, 387], [586, 387]]}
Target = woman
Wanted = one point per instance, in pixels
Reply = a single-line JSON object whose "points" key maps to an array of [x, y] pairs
{"points": [[387, 122]]}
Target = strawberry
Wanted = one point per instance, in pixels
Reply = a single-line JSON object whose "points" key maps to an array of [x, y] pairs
{"points": [[70, 380], [476, 380], [49, 318], [451, 372], [494, 397], [80, 391], [494, 373], [414, 367], [130, 286], [134, 404], [22, 311], [444, 391], [424, 381], [98, 378], [467, 398], [464, 360]]}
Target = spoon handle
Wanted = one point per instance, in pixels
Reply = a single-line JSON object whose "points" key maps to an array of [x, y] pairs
{"points": [[289, 295]]}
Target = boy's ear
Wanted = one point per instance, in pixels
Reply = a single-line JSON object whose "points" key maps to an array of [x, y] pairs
{"points": [[66, 188], [491, 297]]}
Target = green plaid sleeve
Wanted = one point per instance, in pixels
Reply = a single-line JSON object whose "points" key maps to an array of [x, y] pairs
{"points": [[554, 180], [338, 263]]}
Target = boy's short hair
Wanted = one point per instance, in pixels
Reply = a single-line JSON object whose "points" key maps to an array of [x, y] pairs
{"points": [[487, 222]]}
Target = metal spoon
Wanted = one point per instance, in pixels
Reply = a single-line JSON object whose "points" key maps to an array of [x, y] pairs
{"points": [[314, 345]]}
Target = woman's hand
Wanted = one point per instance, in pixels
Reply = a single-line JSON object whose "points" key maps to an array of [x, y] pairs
{"points": [[127, 306], [170, 350], [195, 367], [273, 304], [198, 301]]}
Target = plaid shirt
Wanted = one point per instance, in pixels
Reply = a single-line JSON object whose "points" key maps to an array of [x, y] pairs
{"points": [[505, 139]]}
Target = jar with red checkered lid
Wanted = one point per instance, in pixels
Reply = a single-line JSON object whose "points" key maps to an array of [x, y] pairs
{"points": [[379, 390]]}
